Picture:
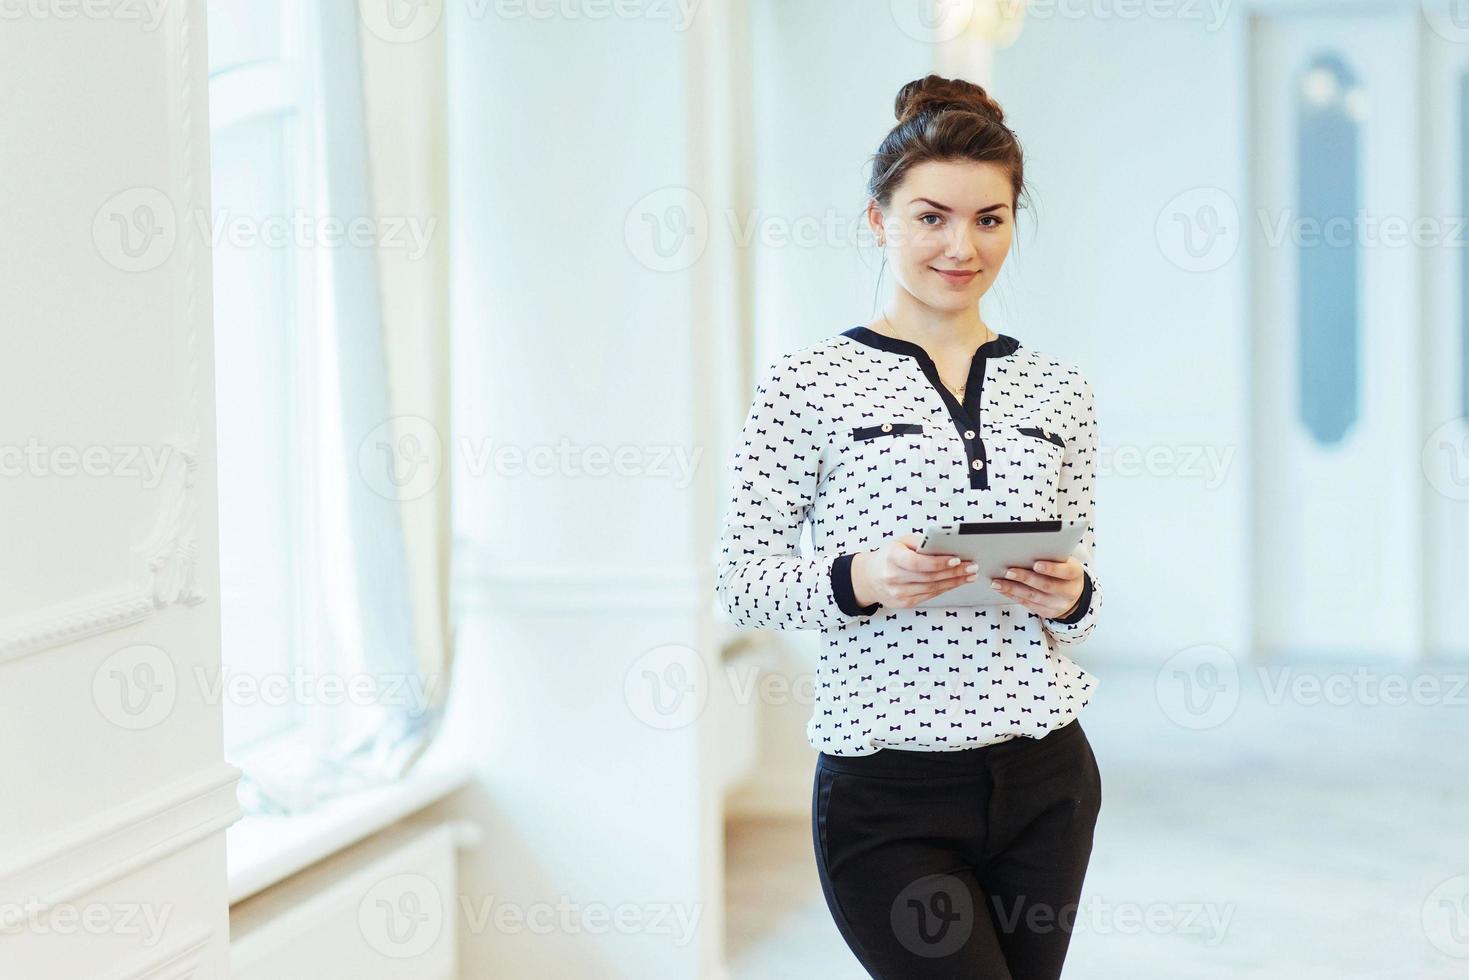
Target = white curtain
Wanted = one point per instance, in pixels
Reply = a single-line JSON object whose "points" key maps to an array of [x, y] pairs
{"points": [[380, 478], [407, 136]]}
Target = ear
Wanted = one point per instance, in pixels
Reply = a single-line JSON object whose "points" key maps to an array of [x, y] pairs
{"points": [[875, 220]]}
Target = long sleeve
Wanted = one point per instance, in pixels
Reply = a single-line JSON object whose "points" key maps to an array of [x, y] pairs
{"points": [[1076, 501], [762, 579]]}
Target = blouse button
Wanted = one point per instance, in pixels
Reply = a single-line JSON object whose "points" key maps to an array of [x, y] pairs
{"points": [[968, 433], [979, 464], [887, 427]]}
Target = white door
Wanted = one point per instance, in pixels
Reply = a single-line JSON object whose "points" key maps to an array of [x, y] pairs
{"points": [[1337, 336], [116, 794]]}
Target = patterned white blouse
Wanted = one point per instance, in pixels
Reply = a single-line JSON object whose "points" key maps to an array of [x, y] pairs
{"points": [[857, 434]]}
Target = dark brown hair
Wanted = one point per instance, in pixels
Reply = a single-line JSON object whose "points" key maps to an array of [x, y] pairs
{"points": [[945, 119]]}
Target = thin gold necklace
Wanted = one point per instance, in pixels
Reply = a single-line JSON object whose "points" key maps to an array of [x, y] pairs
{"points": [[959, 391]]}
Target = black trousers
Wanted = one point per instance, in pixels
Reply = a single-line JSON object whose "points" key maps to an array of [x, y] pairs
{"points": [[960, 864]]}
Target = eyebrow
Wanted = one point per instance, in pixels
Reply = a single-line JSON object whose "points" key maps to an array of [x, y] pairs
{"points": [[948, 210]]}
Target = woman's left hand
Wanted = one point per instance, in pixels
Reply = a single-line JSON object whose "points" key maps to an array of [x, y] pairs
{"points": [[1051, 590]]}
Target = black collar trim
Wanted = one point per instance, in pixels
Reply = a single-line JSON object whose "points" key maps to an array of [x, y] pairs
{"points": [[965, 415], [1002, 346]]}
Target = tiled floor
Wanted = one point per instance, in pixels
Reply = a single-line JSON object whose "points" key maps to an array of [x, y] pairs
{"points": [[1296, 839]]}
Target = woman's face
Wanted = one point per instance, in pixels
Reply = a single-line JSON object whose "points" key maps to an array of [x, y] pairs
{"points": [[952, 215]]}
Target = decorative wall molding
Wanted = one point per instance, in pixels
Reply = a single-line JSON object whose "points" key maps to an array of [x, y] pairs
{"points": [[167, 569], [170, 552], [116, 842], [176, 962], [69, 622], [167, 575], [172, 549]]}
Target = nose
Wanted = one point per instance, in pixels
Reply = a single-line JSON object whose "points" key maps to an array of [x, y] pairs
{"points": [[962, 247]]}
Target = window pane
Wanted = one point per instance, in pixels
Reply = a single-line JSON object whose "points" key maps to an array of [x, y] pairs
{"points": [[1464, 252], [242, 31], [255, 369], [1329, 107]]}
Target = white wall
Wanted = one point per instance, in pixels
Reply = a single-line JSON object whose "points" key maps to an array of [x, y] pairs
{"points": [[824, 80], [116, 794], [1117, 118], [559, 127]]}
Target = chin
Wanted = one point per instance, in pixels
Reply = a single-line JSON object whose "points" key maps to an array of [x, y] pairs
{"points": [[954, 302]]}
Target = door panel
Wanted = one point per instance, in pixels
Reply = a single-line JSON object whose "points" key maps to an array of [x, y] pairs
{"points": [[1336, 336]]}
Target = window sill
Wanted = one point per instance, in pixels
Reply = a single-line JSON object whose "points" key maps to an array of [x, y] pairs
{"points": [[263, 850]]}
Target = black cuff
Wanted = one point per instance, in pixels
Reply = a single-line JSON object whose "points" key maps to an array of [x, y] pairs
{"points": [[841, 588], [1082, 604]]}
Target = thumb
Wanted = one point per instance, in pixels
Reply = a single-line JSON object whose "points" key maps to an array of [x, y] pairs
{"points": [[911, 541]]}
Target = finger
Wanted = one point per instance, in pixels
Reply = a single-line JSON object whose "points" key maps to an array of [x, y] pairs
{"points": [[910, 543], [1064, 570], [1041, 611], [964, 581], [961, 576], [921, 597], [914, 586], [958, 573], [1042, 583], [1022, 592], [1040, 603], [939, 588], [917, 561], [954, 576], [1044, 610], [936, 585]]}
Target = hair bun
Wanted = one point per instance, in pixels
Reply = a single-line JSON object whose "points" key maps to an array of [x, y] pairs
{"points": [[935, 93]]}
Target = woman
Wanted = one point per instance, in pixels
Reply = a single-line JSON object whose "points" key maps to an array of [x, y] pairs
{"points": [[955, 794]]}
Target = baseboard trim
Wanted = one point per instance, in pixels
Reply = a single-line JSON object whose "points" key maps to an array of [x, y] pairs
{"points": [[177, 962], [117, 842]]}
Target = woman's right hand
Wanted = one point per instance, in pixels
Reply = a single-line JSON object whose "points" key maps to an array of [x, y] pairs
{"points": [[899, 576]]}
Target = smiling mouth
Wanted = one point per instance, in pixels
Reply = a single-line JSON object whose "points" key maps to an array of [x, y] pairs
{"points": [[956, 273]]}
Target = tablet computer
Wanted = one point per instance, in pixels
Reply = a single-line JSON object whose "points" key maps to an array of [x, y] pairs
{"points": [[996, 546]]}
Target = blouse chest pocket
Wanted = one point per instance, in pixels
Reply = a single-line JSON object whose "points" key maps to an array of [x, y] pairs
{"points": [[883, 451], [1029, 464], [1036, 432], [863, 433]]}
